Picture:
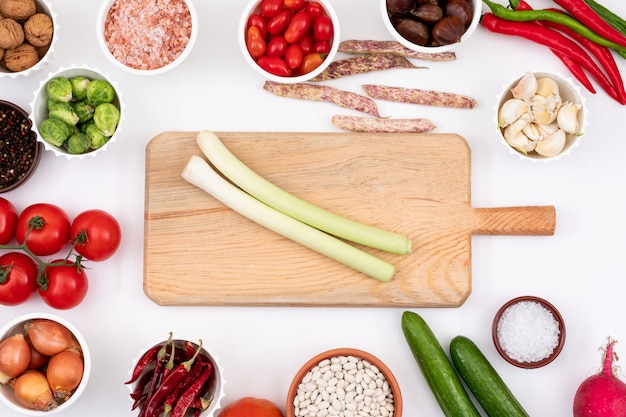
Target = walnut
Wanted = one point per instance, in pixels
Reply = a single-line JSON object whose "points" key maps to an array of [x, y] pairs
{"points": [[11, 34], [21, 58], [38, 30], [19, 10]]}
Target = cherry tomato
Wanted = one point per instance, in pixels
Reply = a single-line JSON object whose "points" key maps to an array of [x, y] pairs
{"points": [[96, 234], [306, 43], [66, 285], [258, 21], [294, 4], [293, 56], [298, 26], [323, 28], [322, 47], [18, 278], [274, 65], [270, 8], [314, 9], [278, 23], [276, 46], [255, 42], [51, 230], [251, 406], [310, 62], [8, 221]]}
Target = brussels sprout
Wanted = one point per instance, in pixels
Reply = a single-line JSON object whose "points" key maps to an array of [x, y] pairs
{"points": [[100, 91], [63, 112], [54, 131], [51, 102], [79, 87], [106, 116], [84, 111], [98, 139], [59, 89], [78, 143]]}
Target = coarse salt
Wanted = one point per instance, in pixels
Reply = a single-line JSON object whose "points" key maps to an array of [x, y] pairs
{"points": [[147, 34], [528, 332]]}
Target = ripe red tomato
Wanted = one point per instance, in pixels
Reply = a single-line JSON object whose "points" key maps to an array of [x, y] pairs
{"points": [[314, 9], [96, 234], [323, 28], [278, 23], [8, 221], [306, 43], [251, 406], [259, 22], [322, 47], [270, 8], [51, 230], [66, 285], [310, 62], [294, 4], [18, 278], [293, 56], [255, 42], [298, 26], [276, 46]]}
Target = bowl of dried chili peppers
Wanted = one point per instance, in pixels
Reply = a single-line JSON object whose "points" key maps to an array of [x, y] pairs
{"points": [[176, 377], [19, 149]]}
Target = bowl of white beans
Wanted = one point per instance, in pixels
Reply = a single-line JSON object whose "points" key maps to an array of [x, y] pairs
{"points": [[344, 382]]}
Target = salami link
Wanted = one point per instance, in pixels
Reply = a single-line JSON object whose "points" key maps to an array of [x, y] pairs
{"points": [[416, 96], [383, 47], [363, 64], [324, 93], [378, 125]]}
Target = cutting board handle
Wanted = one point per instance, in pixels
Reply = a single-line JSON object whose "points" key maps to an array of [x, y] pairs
{"points": [[523, 220]]}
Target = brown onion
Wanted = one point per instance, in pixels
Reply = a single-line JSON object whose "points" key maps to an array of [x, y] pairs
{"points": [[33, 391], [50, 337], [64, 373], [37, 360], [14, 357]]}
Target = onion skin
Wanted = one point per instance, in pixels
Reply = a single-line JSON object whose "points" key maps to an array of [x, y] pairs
{"points": [[603, 394], [64, 373], [49, 337], [32, 391], [14, 357]]}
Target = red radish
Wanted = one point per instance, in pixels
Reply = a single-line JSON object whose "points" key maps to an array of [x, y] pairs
{"points": [[603, 394]]}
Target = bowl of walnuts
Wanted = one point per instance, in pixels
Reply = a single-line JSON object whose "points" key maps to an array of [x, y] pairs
{"points": [[27, 36]]}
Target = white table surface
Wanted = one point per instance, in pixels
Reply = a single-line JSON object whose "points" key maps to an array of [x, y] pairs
{"points": [[580, 269]]}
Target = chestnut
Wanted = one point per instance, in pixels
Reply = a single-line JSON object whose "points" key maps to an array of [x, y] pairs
{"points": [[428, 13], [448, 30], [460, 8], [413, 31], [395, 7]]}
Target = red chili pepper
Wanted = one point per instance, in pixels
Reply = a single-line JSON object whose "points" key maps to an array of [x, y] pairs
{"points": [[586, 15], [139, 393], [172, 397], [274, 65], [191, 393], [159, 367], [298, 26], [255, 42], [146, 359]]}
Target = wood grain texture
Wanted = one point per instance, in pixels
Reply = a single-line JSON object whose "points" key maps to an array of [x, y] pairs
{"points": [[199, 252]]}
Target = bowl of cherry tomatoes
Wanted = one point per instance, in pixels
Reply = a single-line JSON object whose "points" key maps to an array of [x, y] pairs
{"points": [[289, 41]]}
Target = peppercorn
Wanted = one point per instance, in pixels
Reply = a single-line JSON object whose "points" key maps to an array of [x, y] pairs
{"points": [[18, 145]]}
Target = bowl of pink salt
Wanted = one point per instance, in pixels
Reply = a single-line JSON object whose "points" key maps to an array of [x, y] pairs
{"points": [[528, 332], [147, 37]]}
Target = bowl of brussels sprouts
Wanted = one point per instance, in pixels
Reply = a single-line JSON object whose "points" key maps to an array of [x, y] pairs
{"points": [[77, 112]]}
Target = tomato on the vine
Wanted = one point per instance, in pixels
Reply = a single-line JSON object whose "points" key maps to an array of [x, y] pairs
{"points": [[18, 278], [51, 228], [64, 286], [96, 234], [8, 221]]}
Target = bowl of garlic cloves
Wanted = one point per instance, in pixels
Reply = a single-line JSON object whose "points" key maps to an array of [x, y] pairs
{"points": [[541, 116]]}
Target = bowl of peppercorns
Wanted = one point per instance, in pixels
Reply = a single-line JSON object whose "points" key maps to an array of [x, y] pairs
{"points": [[19, 149]]}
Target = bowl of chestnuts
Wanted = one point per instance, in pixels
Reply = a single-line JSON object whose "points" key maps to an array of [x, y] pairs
{"points": [[431, 26], [28, 31]]}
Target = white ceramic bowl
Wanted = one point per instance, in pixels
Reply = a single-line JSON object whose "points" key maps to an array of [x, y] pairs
{"points": [[7, 397], [43, 6], [215, 393], [253, 7], [477, 8], [39, 109], [568, 92], [100, 31]]}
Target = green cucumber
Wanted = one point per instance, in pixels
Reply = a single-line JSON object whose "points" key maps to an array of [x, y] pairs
{"points": [[437, 368], [483, 381]]}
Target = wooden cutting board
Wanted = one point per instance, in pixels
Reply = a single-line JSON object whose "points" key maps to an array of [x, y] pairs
{"points": [[199, 252]]}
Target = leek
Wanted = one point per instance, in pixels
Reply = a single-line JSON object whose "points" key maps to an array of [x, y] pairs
{"points": [[314, 216], [199, 173]]}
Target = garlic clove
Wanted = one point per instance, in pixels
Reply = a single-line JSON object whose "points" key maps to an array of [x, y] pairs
{"points": [[520, 142], [567, 117], [553, 104], [547, 129], [511, 110], [551, 145], [518, 125], [526, 87], [540, 108], [532, 131], [547, 87]]}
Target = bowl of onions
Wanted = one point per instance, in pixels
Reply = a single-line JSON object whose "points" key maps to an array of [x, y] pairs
{"points": [[44, 364]]}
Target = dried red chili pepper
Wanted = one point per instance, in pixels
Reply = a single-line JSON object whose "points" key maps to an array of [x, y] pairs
{"points": [[173, 396], [159, 367], [146, 359], [192, 392]]}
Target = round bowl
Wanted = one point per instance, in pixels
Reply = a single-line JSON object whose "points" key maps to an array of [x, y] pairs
{"points": [[528, 332], [7, 397], [123, 23], [476, 9], [44, 52], [568, 92], [39, 109], [214, 394], [338, 368], [253, 8], [23, 152]]}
